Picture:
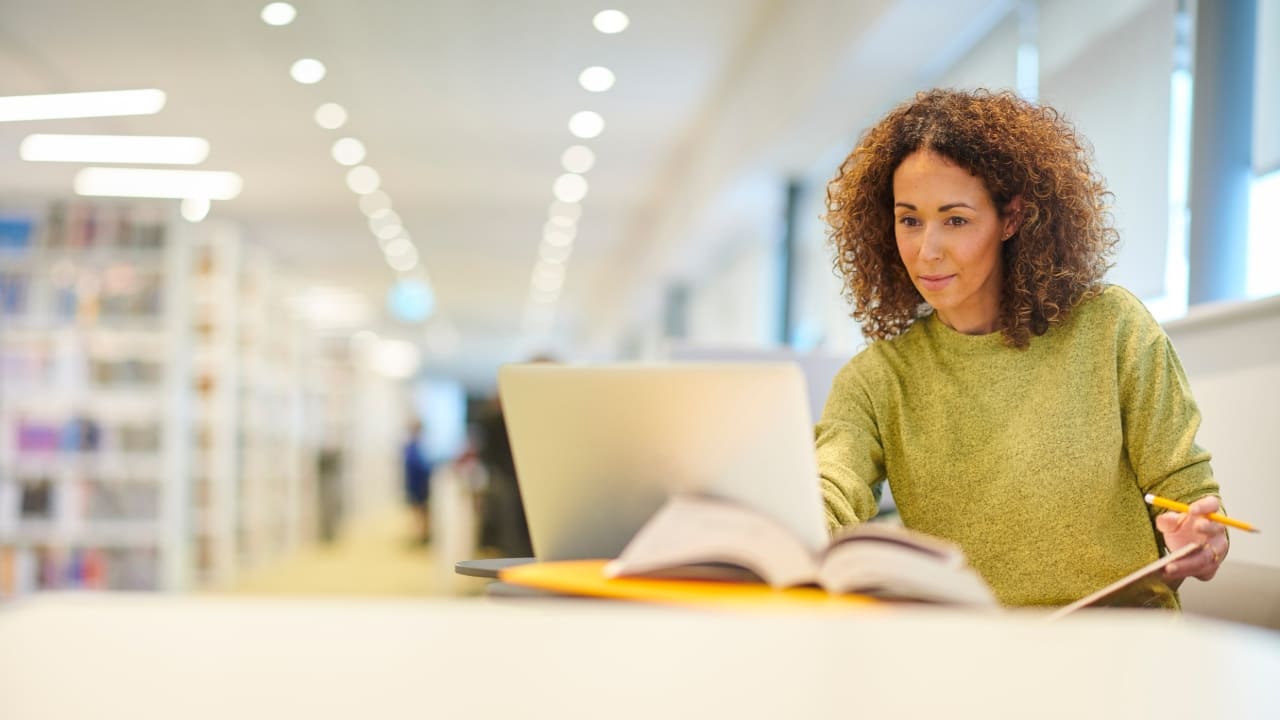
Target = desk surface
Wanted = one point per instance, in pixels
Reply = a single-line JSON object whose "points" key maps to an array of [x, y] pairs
{"points": [[143, 657]]}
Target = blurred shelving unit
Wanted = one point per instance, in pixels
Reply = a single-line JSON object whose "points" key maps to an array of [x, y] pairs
{"points": [[269, 447], [168, 420], [214, 319], [93, 363], [254, 464]]}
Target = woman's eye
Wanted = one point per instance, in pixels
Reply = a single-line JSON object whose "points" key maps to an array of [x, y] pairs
{"points": [[908, 221], [956, 221]]}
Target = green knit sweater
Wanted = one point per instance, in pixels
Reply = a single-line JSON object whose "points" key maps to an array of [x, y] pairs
{"points": [[1034, 461]]}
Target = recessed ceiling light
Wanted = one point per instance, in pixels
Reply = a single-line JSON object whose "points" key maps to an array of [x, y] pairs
{"points": [[109, 103], [555, 254], [570, 187], [278, 13], [195, 209], [398, 247], [373, 202], [384, 218], [557, 238], [558, 234], [548, 277], [611, 21], [331, 116], [128, 149], [137, 182], [404, 259], [403, 263], [586, 124], [390, 231], [308, 71], [384, 243], [565, 211], [596, 79], [348, 151], [363, 179], [578, 159]]}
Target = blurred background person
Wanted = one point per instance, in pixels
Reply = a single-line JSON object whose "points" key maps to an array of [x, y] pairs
{"points": [[417, 482], [503, 527]]}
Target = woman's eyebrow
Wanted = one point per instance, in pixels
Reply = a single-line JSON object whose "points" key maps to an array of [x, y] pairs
{"points": [[943, 208]]}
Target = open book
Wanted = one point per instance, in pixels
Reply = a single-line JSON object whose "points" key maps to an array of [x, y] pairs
{"points": [[708, 538]]}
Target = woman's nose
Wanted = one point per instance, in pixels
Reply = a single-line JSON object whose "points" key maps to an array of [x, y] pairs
{"points": [[931, 244]]}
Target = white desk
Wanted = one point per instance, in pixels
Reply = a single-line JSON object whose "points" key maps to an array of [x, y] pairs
{"points": [[143, 657]]}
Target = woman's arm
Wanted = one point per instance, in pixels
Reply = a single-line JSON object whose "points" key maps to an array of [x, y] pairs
{"points": [[850, 454], [1161, 420]]}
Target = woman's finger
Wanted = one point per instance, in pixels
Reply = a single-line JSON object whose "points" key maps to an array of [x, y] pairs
{"points": [[1210, 528], [1205, 505], [1191, 566], [1168, 522]]}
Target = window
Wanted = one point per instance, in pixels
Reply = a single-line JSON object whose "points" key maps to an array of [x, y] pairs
{"points": [[1264, 237]]}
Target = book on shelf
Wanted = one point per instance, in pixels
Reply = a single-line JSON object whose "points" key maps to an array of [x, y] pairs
{"points": [[698, 537], [15, 231]]}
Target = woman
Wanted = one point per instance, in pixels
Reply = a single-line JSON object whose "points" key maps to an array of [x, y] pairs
{"points": [[1017, 405]]}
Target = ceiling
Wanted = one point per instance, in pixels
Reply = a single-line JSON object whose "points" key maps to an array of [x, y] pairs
{"points": [[463, 107]]}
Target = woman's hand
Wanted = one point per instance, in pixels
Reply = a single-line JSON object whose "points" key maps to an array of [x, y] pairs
{"points": [[1193, 527]]}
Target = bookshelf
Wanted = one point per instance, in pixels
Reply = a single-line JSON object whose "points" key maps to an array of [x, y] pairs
{"points": [[163, 408], [255, 390], [91, 361], [214, 319]]}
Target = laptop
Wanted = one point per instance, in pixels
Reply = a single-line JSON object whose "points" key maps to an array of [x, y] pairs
{"points": [[598, 449], [819, 368]]}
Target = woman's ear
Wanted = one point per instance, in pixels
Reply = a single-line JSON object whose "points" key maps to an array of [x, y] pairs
{"points": [[1012, 216]]}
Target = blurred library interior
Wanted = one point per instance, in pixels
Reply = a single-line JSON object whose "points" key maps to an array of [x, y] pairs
{"points": [[244, 246], [260, 263]]}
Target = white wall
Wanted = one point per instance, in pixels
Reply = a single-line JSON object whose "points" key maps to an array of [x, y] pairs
{"points": [[1232, 357], [1111, 77], [380, 414]]}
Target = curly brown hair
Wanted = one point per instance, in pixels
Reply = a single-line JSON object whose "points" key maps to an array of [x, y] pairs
{"points": [[1065, 237]]}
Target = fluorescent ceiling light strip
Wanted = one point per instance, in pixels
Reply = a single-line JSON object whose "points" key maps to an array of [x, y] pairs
{"points": [[78, 105], [135, 182], [128, 149]]}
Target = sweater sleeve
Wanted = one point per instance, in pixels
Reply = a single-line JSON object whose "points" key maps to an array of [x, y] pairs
{"points": [[1160, 415], [850, 454]]}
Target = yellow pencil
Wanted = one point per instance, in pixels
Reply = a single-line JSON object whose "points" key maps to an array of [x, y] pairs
{"points": [[1176, 506]]}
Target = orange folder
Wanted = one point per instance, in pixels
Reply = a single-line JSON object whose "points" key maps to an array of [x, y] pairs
{"points": [[587, 578]]}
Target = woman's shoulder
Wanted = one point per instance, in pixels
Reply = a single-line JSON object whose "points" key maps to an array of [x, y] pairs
{"points": [[1113, 307], [879, 359], [1113, 319]]}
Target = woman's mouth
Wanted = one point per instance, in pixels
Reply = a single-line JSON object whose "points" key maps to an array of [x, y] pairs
{"points": [[935, 283]]}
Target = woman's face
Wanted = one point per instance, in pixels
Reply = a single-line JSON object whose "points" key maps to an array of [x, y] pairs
{"points": [[949, 234]]}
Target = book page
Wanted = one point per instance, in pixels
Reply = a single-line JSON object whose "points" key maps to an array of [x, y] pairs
{"points": [[690, 531], [891, 563], [944, 551], [1129, 579]]}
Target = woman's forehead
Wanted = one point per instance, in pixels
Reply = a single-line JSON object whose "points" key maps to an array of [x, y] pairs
{"points": [[925, 172]]}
